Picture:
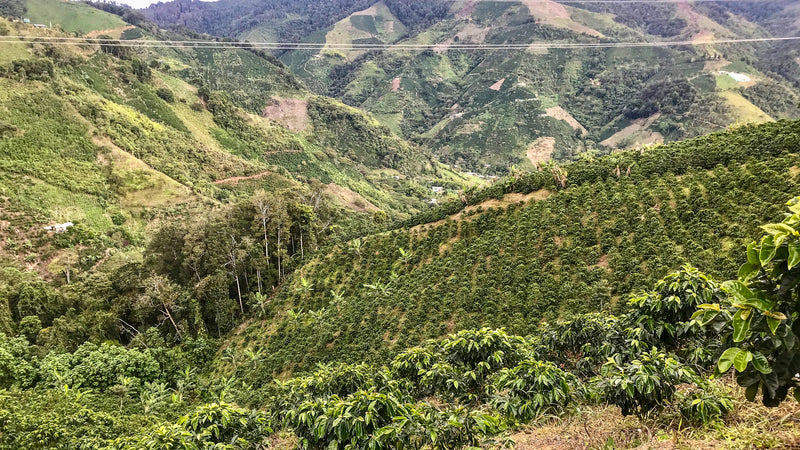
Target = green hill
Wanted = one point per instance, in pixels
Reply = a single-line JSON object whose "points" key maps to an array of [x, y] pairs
{"points": [[526, 250], [73, 17], [116, 140]]}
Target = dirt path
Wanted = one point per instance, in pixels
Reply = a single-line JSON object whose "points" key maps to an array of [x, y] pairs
{"points": [[235, 180]]}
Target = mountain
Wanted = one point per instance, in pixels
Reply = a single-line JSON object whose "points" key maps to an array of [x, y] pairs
{"points": [[486, 110], [197, 251]]}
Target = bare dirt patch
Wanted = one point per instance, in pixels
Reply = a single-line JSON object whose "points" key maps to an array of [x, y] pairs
{"points": [[113, 32], [540, 150], [289, 112], [555, 14], [637, 127], [350, 199], [388, 26], [498, 84], [471, 128], [560, 113], [396, 84], [472, 33]]}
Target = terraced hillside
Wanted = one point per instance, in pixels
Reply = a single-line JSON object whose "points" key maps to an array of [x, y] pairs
{"points": [[533, 248]]}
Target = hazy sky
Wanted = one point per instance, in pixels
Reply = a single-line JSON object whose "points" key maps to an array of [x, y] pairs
{"points": [[143, 3]]}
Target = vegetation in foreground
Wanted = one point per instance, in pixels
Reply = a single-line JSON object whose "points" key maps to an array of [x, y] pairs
{"points": [[657, 362]]}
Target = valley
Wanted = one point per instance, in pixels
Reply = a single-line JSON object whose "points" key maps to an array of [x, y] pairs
{"points": [[351, 224]]}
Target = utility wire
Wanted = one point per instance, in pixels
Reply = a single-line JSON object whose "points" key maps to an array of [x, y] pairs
{"points": [[356, 46]]}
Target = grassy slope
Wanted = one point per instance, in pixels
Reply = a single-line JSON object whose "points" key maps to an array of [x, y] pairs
{"points": [[95, 142], [72, 16]]}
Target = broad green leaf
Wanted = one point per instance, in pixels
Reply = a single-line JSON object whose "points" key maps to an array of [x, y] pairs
{"points": [[777, 228], [779, 240], [794, 205], [794, 255], [726, 360], [741, 360], [747, 271], [773, 324], [738, 289], [768, 249], [760, 363], [757, 303], [710, 306], [752, 254], [741, 326]]}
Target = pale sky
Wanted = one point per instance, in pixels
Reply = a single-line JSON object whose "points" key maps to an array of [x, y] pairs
{"points": [[137, 4]]}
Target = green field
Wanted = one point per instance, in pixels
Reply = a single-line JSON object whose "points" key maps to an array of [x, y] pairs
{"points": [[72, 17]]}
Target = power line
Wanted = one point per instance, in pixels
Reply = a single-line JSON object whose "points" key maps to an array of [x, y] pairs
{"points": [[371, 46]]}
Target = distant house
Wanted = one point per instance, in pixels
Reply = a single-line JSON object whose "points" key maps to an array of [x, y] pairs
{"points": [[433, 202], [40, 25], [26, 20], [59, 228], [437, 189]]}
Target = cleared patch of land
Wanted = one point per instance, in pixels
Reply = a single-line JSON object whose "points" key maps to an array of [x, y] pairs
{"points": [[560, 113], [540, 150], [636, 133], [555, 14], [289, 112], [72, 17], [498, 84], [142, 186], [742, 110], [113, 32], [349, 198]]}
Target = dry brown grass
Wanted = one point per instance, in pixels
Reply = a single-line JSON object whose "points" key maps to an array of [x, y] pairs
{"points": [[750, 426]]}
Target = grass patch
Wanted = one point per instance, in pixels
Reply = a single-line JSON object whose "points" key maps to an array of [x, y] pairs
{"points": [[725, 82], [742, 110], [73, 17]]}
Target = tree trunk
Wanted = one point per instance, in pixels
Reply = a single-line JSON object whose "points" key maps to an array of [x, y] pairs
{"points": [[266, 241], [169, 316], [258, 276], [239, 291], [279, 251]]}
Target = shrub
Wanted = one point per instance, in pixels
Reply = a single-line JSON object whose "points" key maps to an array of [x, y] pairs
{"points": [[166, 94]]}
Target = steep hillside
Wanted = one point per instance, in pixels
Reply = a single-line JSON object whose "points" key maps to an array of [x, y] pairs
{"points": [[116, 139], [527, 250], [485, 110]]}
